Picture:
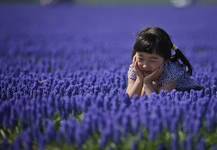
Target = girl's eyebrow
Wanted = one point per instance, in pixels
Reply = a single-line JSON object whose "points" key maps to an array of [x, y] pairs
{"points": [[150, 57], [153, 57]]}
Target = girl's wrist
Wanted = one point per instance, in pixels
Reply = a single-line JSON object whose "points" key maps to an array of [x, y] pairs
{"points": [[147, 82], [139, 80], [147, 85], [148, 89]]}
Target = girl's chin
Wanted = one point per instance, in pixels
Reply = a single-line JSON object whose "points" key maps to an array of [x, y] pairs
{"points": [[146, 73]]}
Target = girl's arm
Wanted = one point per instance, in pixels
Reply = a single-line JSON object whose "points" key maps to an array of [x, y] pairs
{"points": [[134, 87], [169, 86], [147, 89]]}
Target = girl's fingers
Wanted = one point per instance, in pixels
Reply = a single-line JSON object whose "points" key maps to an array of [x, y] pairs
{"points": [[161, 68], [154, 74], [134, 59], [138, 70], [136, 66]]}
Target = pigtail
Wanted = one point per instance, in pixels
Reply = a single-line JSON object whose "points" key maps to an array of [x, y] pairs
{"points": [[180, 56]]}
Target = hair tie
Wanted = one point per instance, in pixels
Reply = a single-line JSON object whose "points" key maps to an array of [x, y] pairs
{"points": [[174, 47], [174, 53]]}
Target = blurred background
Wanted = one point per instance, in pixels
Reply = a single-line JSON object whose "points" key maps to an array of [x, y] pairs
{"points": [[94, 32], [176, 3]]}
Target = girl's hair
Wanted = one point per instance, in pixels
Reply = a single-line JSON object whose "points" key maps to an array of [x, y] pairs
{"points": [[155, 40]]}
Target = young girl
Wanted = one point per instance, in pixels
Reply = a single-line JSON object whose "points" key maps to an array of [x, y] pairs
{"points": [[154, 68]]}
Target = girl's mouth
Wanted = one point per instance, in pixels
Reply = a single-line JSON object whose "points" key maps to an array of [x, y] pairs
{"points": [[147, 72]]}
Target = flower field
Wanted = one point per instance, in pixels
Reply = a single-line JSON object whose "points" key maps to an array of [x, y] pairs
{"points": [[63, 77]]}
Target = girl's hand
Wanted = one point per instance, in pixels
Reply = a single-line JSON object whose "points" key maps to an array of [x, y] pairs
{"points": [[138, 72], [148, 85], [153, 76]]}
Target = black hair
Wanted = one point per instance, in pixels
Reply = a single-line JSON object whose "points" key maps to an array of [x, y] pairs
{"points": [[155, 40]]}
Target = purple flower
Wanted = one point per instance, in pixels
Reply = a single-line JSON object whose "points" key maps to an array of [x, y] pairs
{"points": [[201, 145]]}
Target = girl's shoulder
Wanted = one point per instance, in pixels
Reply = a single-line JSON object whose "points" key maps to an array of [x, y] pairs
{"points": [[176, 72], [175, 68], [172, 72]]}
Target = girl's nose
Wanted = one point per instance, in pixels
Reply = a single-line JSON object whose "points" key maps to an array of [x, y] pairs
{"points": [[145, 66]]}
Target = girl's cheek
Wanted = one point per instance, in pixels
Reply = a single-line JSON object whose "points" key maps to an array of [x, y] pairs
{"points": [[140, 65], [156, 66]]}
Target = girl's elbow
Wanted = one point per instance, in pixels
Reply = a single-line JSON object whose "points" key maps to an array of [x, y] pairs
{"points": [[131, 94]]}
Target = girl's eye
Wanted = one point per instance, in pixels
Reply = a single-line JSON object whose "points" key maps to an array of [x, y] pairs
{"points": [[153, 60]]}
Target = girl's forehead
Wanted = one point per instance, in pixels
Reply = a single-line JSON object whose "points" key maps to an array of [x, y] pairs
{"points": [[147, 55]]}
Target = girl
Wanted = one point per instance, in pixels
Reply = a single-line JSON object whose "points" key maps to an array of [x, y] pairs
{"points": [[154, 68]]}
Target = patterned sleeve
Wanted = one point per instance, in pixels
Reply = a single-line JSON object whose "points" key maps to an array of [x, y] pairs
{"points": [[173, 72], [131, 73]]}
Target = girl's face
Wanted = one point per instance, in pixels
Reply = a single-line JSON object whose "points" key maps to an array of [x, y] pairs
{"points": [[148, 62]]}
